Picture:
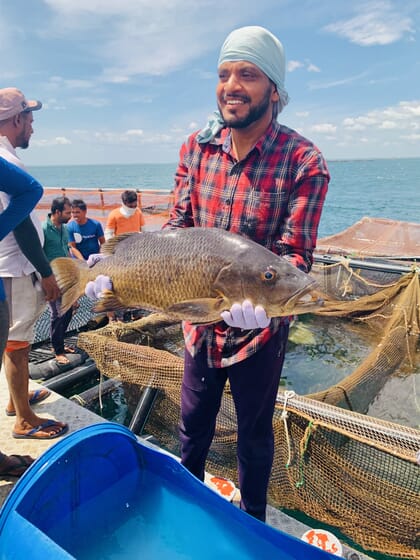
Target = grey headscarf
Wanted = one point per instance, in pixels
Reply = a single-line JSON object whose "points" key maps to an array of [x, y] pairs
{"points": [[260, 47]]}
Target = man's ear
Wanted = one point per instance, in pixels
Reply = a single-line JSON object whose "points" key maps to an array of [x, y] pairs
{"points": [[275, 95], [17, 119]]}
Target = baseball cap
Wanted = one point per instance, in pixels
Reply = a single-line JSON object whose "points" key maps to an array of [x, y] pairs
{"points": [[13, 102]]}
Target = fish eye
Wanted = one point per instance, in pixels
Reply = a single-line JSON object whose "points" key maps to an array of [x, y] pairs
{"points": [[269, 275]]}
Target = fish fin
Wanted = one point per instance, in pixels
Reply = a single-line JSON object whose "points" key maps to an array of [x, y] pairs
{"points": [[111, 245], [72, 276], [108, 302], [201, 311]]}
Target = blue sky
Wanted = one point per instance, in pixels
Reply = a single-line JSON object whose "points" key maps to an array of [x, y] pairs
{"points": [[125, 81]]}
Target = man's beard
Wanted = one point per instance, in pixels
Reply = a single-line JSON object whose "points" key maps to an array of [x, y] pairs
{"points": [[255, 113], [22, 142]]}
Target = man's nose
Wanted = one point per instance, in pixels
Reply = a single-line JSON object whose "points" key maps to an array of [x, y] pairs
{"points": [[232, 83]]}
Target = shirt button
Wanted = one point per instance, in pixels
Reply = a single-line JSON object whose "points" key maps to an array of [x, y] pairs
{"points": [[203, 379]]}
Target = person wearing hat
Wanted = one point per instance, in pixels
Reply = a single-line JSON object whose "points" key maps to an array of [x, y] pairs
{"points": [[24, 193], [27, 277], [246, 173]]}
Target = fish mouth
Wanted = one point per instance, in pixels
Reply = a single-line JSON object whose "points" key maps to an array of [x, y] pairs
{"points": [[305, 300]]}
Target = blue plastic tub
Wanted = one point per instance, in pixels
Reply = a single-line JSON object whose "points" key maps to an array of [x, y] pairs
{"points": [[101, 494]]}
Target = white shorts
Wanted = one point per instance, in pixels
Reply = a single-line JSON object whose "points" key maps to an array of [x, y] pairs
{"points": [[26, 301]]}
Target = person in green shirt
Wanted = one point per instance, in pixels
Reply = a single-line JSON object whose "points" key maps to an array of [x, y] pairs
{"points": [[56, 244]]}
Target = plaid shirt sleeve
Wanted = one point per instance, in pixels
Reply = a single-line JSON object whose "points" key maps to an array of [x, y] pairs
{"points": [[181, 214], [299, 232]]}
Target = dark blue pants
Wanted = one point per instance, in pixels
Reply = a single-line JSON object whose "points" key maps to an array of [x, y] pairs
{"points": [[58, 326], [254, 384]]}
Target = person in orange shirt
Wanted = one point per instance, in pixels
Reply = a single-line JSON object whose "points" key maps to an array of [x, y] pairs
{"points": [[128, 218]]}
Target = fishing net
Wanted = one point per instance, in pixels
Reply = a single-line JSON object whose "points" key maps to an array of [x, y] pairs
{"points": [[332, 461], [375, 237]]}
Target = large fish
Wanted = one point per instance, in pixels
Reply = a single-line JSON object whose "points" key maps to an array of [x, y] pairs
{"points": [[190, 274]]}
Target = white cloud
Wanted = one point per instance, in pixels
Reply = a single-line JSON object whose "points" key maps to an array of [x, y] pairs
{"points": [[58, 82], [132, 137], [57, 141], [388, 125], [312, 68], [379, 23], [404, 115], [358, 123], [293, 65], [336, 83], [410, 137], [135, 132], [149, 37], [324, 128]]}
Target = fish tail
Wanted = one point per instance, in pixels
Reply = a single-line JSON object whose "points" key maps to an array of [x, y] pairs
{"points": [[72, 276]]}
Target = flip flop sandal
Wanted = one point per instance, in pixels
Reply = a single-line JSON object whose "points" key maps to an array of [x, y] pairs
{"points": [[38, 396], [31, 434]]}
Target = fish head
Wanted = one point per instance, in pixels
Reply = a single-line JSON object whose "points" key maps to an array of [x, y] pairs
{"points": [[271, 281]]}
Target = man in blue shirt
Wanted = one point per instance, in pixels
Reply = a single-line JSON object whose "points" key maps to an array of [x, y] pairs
{"points": [[27, 277], [85, 234], [24, 192]]}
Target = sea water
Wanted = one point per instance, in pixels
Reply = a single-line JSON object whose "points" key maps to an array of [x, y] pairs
{"points": [[329, 351], [380, 188]]}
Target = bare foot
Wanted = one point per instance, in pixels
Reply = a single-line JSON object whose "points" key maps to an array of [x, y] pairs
{"points": [[62, 359]]}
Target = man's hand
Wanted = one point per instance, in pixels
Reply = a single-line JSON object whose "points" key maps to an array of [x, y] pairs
{"points": [[246, 316], [95, 288], [95, 258], [50, 288]]}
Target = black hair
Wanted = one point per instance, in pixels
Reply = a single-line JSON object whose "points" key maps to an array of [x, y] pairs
{"points": [[79, 203], [129, 196], [57, 205]]}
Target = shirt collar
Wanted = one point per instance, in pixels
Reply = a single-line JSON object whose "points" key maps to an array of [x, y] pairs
{"points": [[224, 139], [5, 142]]}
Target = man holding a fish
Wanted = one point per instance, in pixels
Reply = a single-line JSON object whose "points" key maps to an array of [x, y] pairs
{"points": [[248, 174]]}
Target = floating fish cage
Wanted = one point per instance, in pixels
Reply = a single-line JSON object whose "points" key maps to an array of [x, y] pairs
{"points": [[332, 462]]}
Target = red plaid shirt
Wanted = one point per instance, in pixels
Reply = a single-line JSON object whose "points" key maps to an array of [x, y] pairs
{"points": [[273, 196]]}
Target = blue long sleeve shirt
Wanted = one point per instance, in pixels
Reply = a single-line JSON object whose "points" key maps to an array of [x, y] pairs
{"points": [[24, 192]]}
